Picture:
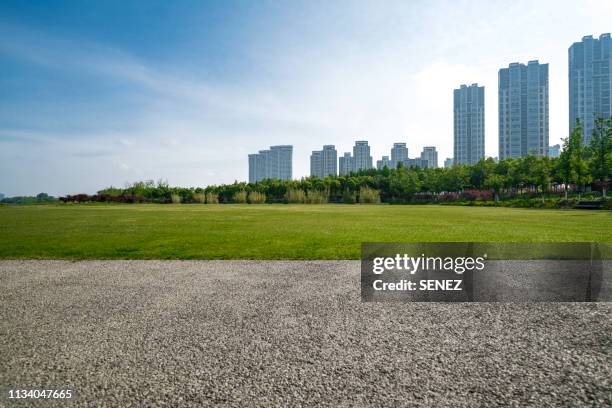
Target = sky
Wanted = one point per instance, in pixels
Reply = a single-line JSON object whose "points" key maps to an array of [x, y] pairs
{"points": [[101, 93]]}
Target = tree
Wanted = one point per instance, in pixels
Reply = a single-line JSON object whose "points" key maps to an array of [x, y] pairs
{"points": [[495, 182], [600, 152], [541, 175], [572, 164]]}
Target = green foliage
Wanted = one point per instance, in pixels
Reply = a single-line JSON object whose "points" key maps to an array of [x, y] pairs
{"points": [[199, 198], [255, 197], [317, 197], [176, 199], [368, 195], [295, 196], [240, 197], [212, 198]]}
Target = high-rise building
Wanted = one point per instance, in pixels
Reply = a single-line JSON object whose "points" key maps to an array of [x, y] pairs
{"points": [[430, 155], [554, 150], [399, 153], [523, 110], [345, 164], [469, 124], [448, 163], [324, 162], [590, 82], [362, 159], [380, 164], [315, 163], [275, 163]]}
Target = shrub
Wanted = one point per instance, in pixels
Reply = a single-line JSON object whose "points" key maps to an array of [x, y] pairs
{"points": [[212, 198], [477, 195], [449, 197], [199, 198], [240, 197], [369, 195], [295, 196], [175, 198], [255, 197], [348, 197], [317, 197]]}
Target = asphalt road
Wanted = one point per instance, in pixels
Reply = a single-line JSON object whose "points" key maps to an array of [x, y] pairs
{"points": [[244, 333]]}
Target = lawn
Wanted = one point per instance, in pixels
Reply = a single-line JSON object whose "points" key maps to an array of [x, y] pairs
{"points": [[150, 231]]}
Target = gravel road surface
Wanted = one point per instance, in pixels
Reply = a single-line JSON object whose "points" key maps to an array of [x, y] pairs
{"points": [[284, 333]]}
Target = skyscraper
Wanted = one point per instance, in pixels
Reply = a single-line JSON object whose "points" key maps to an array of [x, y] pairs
{"points": [[275, 163], [345, 164], [324, 162], [590, 82], [430, 155], [281, 159], [469, 132], [523, 110], [399, 153], [448, 163], [315, 163], [380, 164], [361, 156]]}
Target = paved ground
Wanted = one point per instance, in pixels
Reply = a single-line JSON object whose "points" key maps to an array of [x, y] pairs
{"points": [[236, 333]]}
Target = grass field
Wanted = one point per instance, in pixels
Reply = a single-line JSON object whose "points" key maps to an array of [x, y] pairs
{"points": [[151, 231]]}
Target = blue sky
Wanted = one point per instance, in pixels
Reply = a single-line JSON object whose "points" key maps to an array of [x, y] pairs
{"points": [[102, 93]]}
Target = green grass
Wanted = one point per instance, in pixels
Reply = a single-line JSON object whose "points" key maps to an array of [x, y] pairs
{"points": [[272, 231]]}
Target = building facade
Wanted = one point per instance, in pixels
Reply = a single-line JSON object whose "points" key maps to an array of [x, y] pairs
{"points": [[590, 82], [430, 155], [384, 161], [469, 124], [554, 150], [362, 160], [275, 163], [448, 163], [523, 110], [345, 164], [399, 153], [324, 162]]}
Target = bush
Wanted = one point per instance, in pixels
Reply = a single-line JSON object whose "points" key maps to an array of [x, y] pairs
{"points": [[212, 198], [368, 195], [240, 197], [295, 196], [348, 197], [175, 198], [317, 197], [199, 198], [477, 195], [449, 197], [255, 197]]}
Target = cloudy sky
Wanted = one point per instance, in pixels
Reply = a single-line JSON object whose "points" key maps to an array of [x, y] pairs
{"points": [[94, 94]]}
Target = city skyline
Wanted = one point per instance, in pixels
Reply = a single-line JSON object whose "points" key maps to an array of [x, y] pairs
{"points": [[174, 95]]}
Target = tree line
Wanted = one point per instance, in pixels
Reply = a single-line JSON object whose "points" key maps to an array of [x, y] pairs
{"points": [[527, 180]]}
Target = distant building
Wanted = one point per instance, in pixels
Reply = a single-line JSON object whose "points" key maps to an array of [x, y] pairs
{"points": [[316, 160], [590, 82], [399, 153], [554, 150], [345, 164], [362, 160], [469, 124], [380, 164], [430, 155], [324, 162], [275, 163], [418, 162], [523, 110], [448, 163]]}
